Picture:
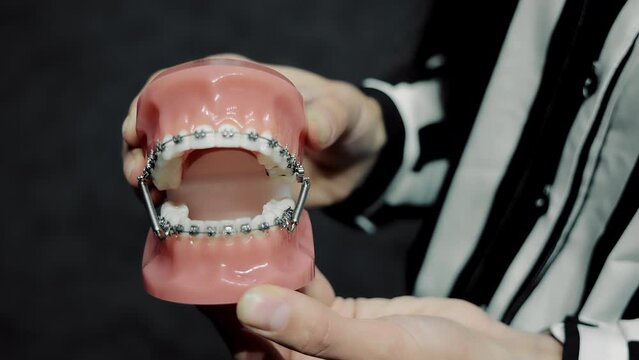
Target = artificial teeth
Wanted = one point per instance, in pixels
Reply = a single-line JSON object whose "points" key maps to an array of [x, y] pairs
{"points": [[273, 213], [227, 136]]}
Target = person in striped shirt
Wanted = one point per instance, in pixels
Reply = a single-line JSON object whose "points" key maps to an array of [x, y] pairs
{"points": [[515, 134]]}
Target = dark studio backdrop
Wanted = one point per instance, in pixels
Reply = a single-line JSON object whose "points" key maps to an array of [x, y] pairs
{"points": [[72, 230]]}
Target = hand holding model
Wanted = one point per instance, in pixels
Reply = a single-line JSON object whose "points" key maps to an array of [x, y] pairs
{"points": [[313, 322], [345, 135]]}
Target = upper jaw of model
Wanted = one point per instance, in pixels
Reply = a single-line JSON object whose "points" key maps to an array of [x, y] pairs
{"points": [[224, 142]]}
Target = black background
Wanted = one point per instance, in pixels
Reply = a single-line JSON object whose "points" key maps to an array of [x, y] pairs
{"points": [[72, 230]]}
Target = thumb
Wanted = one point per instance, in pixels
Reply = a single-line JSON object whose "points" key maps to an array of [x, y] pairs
{"points": [[328, 118], [306, 325]]}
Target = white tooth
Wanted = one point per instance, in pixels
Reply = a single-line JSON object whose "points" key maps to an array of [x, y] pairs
{"points": [[256, 221], [199, 224], [271, 205], [213, 224], [279, 207], [265, 148], [238, 223], [269, 216], [227, 141], [186, 223], [208, 141], [265, 161], [270, 211], [277, 172], [247, 143], [283, 163], [174, 213], [283, 192], [169, 150], [183, 145], [280, 162], [287, 203], [226, 226], [168, 174]]}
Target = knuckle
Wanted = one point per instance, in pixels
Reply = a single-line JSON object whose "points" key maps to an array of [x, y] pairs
{"points": [[405, 339], [318, 340]]}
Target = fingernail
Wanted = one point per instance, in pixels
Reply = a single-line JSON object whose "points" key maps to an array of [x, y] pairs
{"points": [[128, 166], [263, 309], [318, 125], [131, 159]]}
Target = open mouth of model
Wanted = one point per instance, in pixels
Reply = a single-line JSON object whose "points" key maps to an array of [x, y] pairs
{"points": [[221, 182]]}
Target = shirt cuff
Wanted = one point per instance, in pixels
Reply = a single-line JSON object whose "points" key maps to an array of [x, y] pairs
{"points": [[382, 173], [591, 340]]}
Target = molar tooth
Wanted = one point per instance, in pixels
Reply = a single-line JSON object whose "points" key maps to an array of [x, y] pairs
{"points": [[174, 213], [265, 161], [271, 205], [278, 171], [279, 207], [185, 224], [269, 216], [202, 137], [280, 161], [168, 174], [256, 221], [284, 190], [287, 203]]}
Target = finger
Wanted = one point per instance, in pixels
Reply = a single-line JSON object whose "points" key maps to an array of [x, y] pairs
{"points": [[310, 327], [327, 120], [129, 133], [132, 164], [242, 343], [229, 56], [320, 289]]}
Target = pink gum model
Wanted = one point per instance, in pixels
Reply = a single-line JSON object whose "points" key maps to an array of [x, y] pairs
{"points": [[228, 137]]}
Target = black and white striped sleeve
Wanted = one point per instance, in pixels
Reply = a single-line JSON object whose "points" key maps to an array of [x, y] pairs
{"points": [[607, 326], [401, 179], [588, 340]]}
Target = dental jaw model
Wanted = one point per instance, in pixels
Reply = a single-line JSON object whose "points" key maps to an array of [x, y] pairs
{"points": [[224, 141]]}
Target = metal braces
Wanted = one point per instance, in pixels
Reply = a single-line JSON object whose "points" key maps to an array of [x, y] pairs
{"points": [[289, 219], [282, 221]]}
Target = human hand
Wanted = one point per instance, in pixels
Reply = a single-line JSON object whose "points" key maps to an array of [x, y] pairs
{"points": [[345, 135], [277, 323]]}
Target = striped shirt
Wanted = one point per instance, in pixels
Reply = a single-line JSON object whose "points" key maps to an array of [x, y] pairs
{"points": [[515, 136]]}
